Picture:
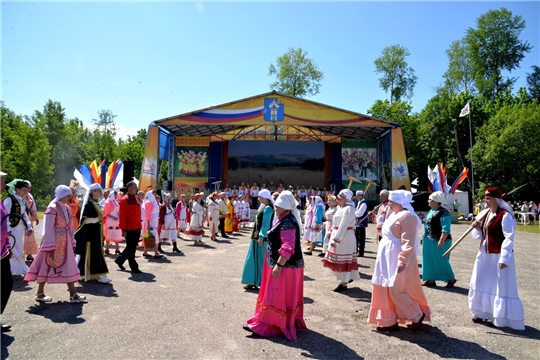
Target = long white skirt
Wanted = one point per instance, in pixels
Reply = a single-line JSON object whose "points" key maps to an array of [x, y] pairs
{"points": [[18, 265]]}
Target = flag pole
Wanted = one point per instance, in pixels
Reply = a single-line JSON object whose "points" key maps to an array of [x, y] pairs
{"points": [[472, 168]]}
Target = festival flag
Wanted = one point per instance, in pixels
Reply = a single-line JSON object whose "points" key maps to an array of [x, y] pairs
{"points": [[459, 180], [465, 111], [81, 179], [436, 181], [96, 172], [103, 175], [431, 179], [86, 174], [118, 179]]}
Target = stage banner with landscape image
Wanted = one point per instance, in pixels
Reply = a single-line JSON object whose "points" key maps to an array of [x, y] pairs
{"points": [[149, 171], [400, 171], [359, 160], [190, 164]]}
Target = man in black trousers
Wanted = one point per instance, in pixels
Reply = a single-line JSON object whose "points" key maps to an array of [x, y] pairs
{"points": [[131, 224]]}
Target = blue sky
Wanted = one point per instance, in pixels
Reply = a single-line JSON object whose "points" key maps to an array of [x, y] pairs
{"points": [[147, 61]]}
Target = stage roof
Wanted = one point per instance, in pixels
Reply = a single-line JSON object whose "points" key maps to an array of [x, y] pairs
{"points": [[276, 116]]}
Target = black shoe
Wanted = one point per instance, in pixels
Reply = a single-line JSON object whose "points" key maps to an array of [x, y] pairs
{"points": [[321, 255], [341, 288], [121, 266], [160, 249], [226, 236], [245, 327], [308, 253], [158, 256], [478, 320], [6, 327], [146, 255], [394, 327], [136, 271]]}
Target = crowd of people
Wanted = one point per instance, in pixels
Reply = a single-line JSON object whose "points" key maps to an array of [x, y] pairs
{"points": [[76, 240]]}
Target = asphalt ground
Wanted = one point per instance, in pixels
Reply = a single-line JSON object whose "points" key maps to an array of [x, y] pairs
{"points": [[193, 307]]}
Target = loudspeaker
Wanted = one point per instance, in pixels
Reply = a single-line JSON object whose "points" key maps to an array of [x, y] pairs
{"points": [[129, 171], [422, 177]]}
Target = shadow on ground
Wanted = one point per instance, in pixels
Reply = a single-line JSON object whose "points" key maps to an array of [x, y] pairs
{"points": [[6, 341], [59, 312]]}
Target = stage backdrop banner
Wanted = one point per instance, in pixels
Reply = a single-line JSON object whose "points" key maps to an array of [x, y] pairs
{"points": [[150, 168], [191, 164], [359, 160], [400, 171]]}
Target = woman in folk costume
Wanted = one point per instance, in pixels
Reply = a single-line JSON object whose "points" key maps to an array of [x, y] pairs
{"points": [[213, 215], [195, 230], [89, 237], [229, 220], [397, 295], [328, 224], [308, 218], [181, 213], [340, 258], [55, 261], [245, 211], [168, 223], [110, 214], [317, 228], [19, 224], [493, 293], [150, 223], [251, 275], [236, 219], [73, 204], [30, 243], [280, 304]]}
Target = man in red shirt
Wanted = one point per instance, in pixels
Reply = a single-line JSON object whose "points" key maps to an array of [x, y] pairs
{"points": [[130, 223]]}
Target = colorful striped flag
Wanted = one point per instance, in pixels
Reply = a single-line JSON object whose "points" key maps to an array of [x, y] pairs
{"points": [[459, 180]]}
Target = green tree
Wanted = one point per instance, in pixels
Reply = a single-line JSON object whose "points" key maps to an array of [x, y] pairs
{"points": [[25, 154], [132, 149], [506, 154], [397, 76], [493, 47], [459, 75], [296, 74], [533, 82], [105, 122]]}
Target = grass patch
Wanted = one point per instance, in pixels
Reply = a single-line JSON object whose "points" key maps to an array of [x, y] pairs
{"points": [[534, 229]]}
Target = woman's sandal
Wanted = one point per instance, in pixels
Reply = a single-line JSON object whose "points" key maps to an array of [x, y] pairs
{"points": [[44, 299], [76, 298], [107, 251]]}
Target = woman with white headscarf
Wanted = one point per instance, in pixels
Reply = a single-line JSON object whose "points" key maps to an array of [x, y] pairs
{"points": [[493, 292], [195, 230], [397, 295], [55, 261], [150, 223], [89, 237], [252, 272], [317, 232], [213, 215], [340, 259], [435, 241], [167, 223], [280, 304]]}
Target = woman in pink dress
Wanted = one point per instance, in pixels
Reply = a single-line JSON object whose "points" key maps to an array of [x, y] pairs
{"points": [[280, 304], [397, 295], [55, 261], [110, 215]]}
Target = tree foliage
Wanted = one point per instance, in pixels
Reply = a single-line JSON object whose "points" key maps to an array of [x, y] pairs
{"points": [[533, 82], [494, 46], [459, 76], [397, 76], [296, 74]]}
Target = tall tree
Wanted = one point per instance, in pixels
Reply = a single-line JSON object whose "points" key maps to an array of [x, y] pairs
{"points": [[105, 122], [296, 74], [459, 75], [533, 83], [493, 47], [397, 76]]}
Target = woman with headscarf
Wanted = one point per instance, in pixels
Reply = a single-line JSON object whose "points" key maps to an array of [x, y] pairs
{"points": [[89, 237], [435, 241], [73, 204], [280, 304], [493, 293], [195, 230], [19, 224], [113, 233], [168, 223], [251, 275], [329, 223], [229, 220], [213, 215], [245, 212], [308, 217], [55, 261], [150, 223], [316, 226], [397, 295], [30, 243], [340, 259]]}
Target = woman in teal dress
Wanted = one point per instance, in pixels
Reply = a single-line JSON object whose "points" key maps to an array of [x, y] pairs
{"points": [[435, 242], [251, 275]]}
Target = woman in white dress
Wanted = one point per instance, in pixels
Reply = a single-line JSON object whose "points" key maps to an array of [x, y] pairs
{"points": [[493, 293], [167, 223], [245, 212], [18, 224], [181, 214], [340, 258], [213, 215], [150, 223], [195, 230], [113, 233], [329, 223]]}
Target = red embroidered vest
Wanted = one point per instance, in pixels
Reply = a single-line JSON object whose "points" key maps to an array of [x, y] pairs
{"points": [[494, 233]]}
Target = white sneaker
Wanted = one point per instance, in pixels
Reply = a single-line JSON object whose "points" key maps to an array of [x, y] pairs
{"points": [[104, 279]]}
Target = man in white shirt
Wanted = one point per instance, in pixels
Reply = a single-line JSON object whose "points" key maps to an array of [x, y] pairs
{"points": [[223, 212]]}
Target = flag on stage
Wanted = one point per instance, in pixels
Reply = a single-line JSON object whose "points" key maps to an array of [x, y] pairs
{"points": [[459, 180], [465, 111]]}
